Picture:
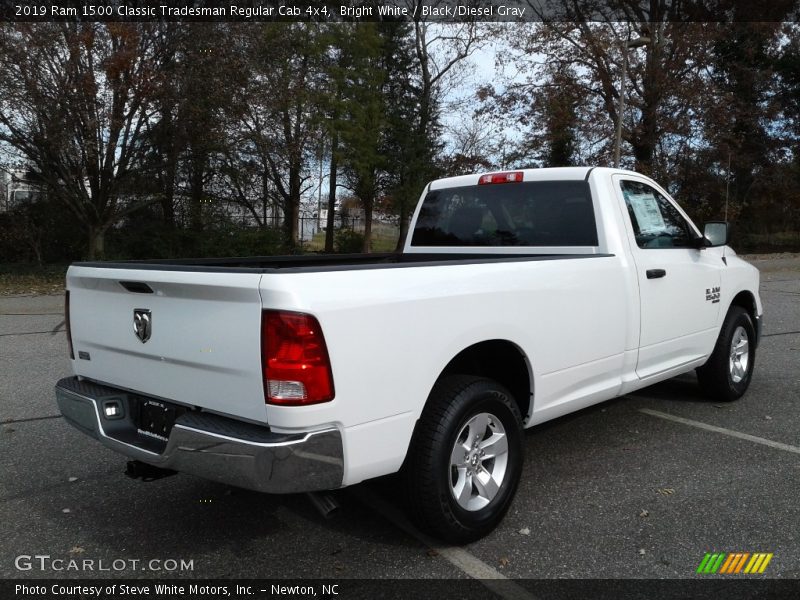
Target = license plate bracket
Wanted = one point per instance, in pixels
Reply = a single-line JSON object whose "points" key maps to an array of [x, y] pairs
{"points": [[155, 418]]}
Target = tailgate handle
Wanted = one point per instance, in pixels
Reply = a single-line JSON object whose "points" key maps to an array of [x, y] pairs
{"points": [[137, 287], [655, 273]]}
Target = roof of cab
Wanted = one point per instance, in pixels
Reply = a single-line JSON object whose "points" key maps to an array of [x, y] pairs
{"points": [[545, 174]]}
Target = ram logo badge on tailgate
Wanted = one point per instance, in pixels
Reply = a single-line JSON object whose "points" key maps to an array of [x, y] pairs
{"points": [[142, 323]]}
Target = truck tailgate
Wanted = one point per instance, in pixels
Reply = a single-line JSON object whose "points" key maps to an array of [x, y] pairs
{"points": [[204, 344]]}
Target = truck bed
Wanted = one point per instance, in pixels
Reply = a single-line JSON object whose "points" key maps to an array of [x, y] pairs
{"points": [[326, 262]]}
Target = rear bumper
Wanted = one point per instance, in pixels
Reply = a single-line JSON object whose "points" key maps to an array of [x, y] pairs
{"points": [[208, 445]]}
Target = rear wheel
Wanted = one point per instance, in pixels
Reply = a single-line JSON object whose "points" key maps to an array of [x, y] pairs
{"points": [[465, 459], [726, 375]]}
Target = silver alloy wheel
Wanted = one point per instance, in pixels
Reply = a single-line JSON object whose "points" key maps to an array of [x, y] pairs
{"points": [[739, 355], [478, 461]]}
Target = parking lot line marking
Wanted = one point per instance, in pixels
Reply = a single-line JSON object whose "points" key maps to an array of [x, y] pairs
{"points": [[722, 430], [32, 333], [467, 563], [5, 314], [766, 335], [29, 419]]}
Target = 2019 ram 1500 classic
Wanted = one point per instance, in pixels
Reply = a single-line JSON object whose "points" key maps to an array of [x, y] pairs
{"points": [[519, 297]]}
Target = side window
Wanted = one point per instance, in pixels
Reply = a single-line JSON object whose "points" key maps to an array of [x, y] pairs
{"points": [[656, 222]]}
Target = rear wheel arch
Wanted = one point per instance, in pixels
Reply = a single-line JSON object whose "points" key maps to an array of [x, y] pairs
{"points": [[502, 361]]}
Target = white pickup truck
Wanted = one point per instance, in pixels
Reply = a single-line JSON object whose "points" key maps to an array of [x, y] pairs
{"points": [[519, 297]]}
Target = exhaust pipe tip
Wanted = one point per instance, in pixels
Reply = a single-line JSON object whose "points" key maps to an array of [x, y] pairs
{"points": [[325, 503]]}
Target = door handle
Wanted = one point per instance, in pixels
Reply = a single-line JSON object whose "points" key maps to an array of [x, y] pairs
{"points": [[656, 273]]}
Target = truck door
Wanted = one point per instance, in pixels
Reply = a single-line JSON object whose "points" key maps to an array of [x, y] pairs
{"points": [[678, 283]]}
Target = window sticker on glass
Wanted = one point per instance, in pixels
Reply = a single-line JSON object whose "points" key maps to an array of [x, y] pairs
{"points": [[648, 215]]}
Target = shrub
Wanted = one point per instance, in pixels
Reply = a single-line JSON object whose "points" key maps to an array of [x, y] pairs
{"points": [[347, 241], [144, 235]]}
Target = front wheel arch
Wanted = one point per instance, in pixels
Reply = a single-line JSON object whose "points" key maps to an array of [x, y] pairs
{"points": [[747, 300], [728, 372]]}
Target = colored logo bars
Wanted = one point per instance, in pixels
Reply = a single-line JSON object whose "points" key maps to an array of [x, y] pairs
{"points": [[734, 562]]}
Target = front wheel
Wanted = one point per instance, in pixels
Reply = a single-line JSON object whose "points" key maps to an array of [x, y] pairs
{"points": [[726, 375], [465, 459]]}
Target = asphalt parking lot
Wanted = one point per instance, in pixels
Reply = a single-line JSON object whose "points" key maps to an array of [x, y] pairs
{"points": [[639, 487]]}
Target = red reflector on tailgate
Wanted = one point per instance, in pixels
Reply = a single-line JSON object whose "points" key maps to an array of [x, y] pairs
{"points": [[294, 359]]}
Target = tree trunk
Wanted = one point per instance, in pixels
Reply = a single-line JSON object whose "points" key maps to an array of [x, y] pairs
{"points": [[645, 138], [265, 200], [196, 191], [367, 247], [401, 239], [331, 225], [290, 224], [35, 242], [292, 209], [168, 199], [170, 168], [168, 209], [97, 243]]}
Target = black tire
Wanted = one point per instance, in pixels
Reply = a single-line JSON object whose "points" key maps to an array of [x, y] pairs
{"points": [[716, 378], [456, 402]]}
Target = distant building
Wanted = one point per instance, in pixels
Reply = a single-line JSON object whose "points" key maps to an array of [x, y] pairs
{"points": [[17, 187]]}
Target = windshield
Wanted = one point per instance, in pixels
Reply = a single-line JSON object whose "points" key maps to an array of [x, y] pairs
{"points": [[534, 213]]}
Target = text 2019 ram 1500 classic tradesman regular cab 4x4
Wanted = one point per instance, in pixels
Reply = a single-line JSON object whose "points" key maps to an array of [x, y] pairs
{"points": [[519, 297]]}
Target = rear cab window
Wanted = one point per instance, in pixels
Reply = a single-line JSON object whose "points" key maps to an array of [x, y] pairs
{"points": [[532, 214]]}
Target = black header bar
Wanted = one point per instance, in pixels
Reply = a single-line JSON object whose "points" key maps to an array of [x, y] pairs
{"points": [[68, 588], [442, 11]]}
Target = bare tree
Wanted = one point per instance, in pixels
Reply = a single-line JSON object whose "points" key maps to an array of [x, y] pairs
{"points": [[439, 50], [662, 81], [74, 101], [474, 144], [279, 114]]}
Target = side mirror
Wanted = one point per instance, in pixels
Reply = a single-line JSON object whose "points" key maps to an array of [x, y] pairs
{"points": [[716, 232]]}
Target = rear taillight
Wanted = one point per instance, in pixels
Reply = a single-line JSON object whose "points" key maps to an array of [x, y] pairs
{"points": [[507, 177], [66, 325], [294, 359]]}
